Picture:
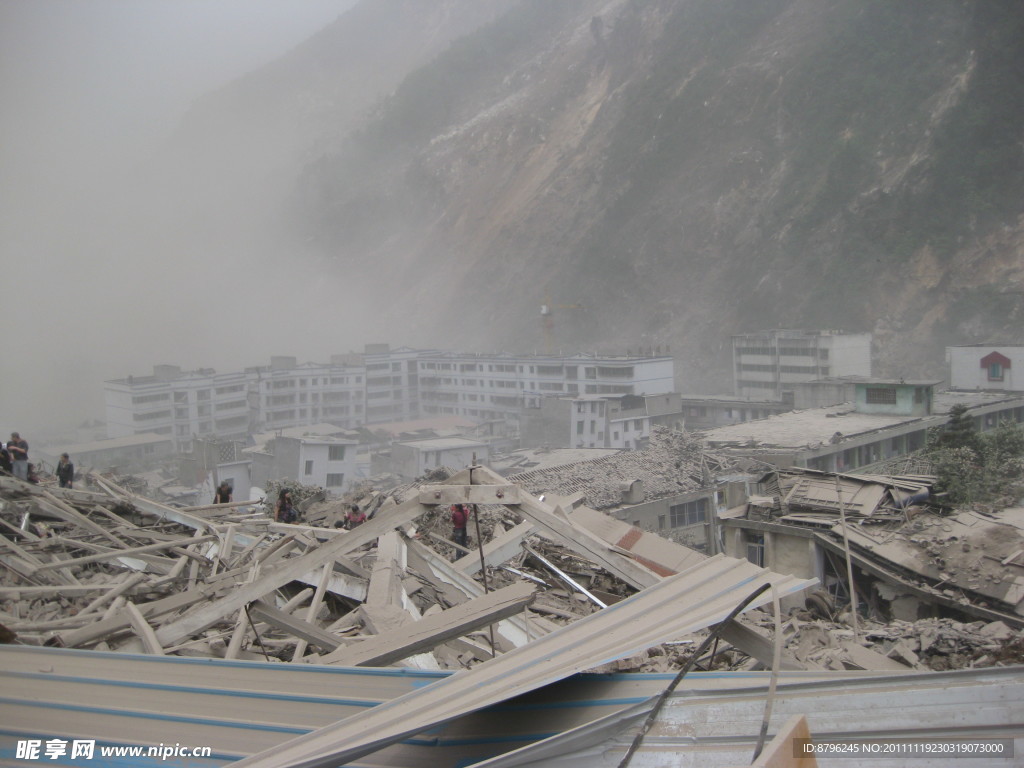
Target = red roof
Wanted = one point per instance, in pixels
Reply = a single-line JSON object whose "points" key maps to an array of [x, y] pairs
{"points": [[994, 357]]}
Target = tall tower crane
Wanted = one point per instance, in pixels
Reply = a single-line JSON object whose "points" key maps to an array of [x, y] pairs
{"points": [[547, 322]]}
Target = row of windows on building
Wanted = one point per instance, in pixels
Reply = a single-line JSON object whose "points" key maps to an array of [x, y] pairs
{"points": [[820, 370], [784, 351], [570, 372]]}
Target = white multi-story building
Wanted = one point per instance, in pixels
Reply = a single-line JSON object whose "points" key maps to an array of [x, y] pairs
{"points": [[381, 385], [327, 461], [287, 394], [986, 366], [624, 422], [180, 405], [767, 364], [501, 386], [413, 458], [392, 383]]}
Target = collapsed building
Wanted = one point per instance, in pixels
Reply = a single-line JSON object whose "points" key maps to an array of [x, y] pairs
{"points": [[911, 562], [387, 644]]}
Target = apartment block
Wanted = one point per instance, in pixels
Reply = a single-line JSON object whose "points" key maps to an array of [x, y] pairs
{"points": [[767, 364], [287, 394], [379, 385], [502, 386], [179, 405]]}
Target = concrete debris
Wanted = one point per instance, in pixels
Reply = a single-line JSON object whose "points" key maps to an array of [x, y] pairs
{"points": [[935, 644], [912, 559], [673, 462], [104, 567]]}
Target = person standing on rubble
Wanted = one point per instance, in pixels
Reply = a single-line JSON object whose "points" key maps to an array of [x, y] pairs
{"points": [[18, 449], [65, 471], [285, 512], [460, 516], [223, 494]]}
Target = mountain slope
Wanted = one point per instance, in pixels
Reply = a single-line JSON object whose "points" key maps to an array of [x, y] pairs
{"points": [[688, 169]]}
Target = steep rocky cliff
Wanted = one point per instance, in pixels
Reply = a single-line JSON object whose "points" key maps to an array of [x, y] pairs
{"points": [[684, 170]]}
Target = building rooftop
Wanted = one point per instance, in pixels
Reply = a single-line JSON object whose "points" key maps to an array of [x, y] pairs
{"points": [[315, 431], [438, 424], [535, 459], [798, 429], [146, 438], [444, 443], [1003, 344], [727, 398], [898, 382], [798, 333]]}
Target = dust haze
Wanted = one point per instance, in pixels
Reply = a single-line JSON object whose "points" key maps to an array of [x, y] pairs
{"points": [[115, 258]]}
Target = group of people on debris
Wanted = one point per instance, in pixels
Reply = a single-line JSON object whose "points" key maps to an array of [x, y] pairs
{"points": [[14, 461], [285, 511]]}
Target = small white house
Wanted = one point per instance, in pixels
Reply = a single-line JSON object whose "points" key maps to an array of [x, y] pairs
{"points": [[330, 462], [416, 457], [986, 366]]}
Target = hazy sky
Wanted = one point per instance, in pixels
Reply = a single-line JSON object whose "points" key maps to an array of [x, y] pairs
{"points": [[92, 288]]}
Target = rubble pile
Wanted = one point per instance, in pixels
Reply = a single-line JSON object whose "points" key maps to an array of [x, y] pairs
{"points": [[672, 463], [109, 569], [935, 644]]}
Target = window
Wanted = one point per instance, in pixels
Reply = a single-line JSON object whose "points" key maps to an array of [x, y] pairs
{"points": [[638, 424], [579, 427], [140, 399], [688, 513], [309, 467], [995, 372], [151, 416], [336, 453], [661, 522], [881, 395], [755, 548], [335, 479]]}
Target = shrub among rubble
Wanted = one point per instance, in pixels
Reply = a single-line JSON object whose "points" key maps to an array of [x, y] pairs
{"points": [[977, 468]]}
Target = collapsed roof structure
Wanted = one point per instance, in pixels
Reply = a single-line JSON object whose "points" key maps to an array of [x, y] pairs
{"points": [[141, 623], [968, 561]]}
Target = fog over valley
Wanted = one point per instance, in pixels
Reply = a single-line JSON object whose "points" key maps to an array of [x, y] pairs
{"points": [[207, 183], [111, 264]]}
